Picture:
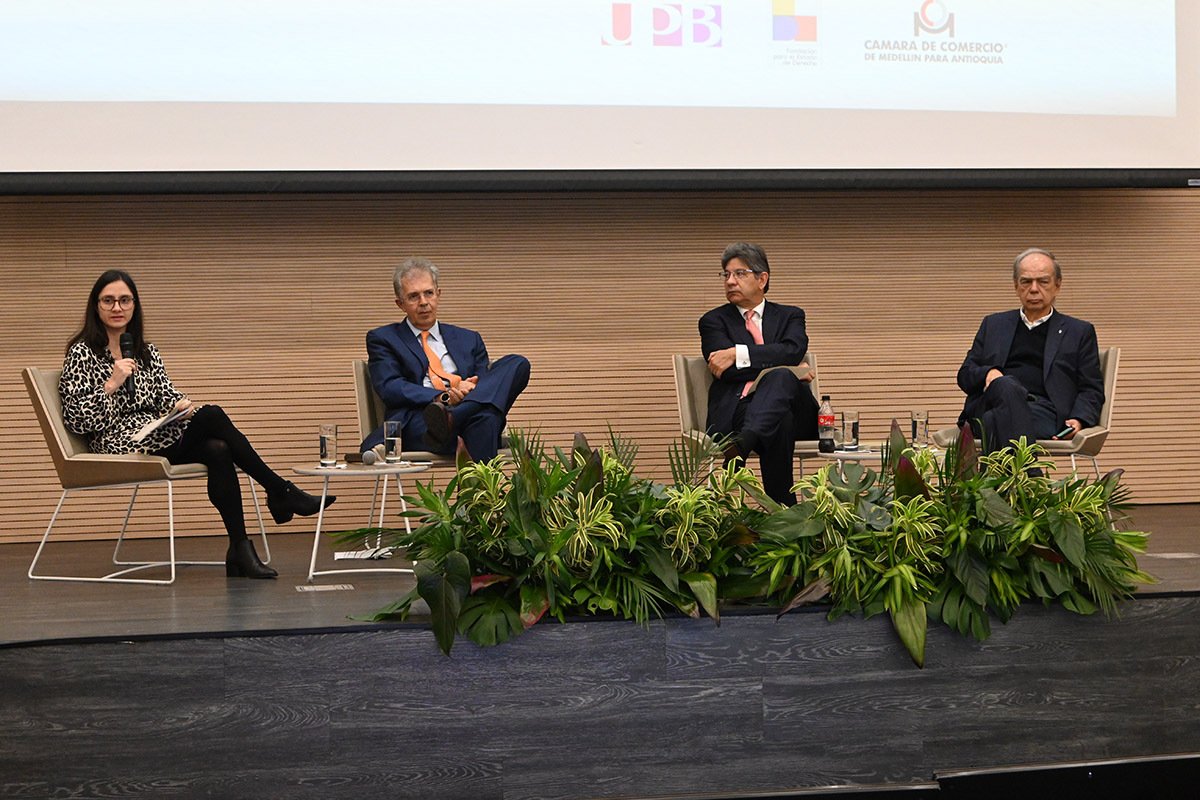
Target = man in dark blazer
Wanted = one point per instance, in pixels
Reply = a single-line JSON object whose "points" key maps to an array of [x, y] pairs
{"points": [[461, 396], [1034, 371], [781, 409]]}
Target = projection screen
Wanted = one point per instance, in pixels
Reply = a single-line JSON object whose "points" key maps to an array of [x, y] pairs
{"points": [[369, 87]]}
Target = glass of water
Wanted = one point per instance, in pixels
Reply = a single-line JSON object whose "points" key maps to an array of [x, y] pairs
{"points": [[391, 441], [328, 440], [850, 430], [920, 427]]}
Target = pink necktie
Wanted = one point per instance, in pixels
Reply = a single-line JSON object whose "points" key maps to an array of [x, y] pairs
{"points": [[752, 326], [756, 334]]}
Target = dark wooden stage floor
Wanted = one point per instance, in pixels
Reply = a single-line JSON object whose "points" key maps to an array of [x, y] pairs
{"points": [[219, 687]]}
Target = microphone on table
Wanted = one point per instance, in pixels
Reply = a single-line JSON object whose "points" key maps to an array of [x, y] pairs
{"points": [[368, 457], [127, 352]]}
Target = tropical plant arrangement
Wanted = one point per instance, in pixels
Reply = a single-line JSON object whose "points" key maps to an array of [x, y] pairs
{"points": [[955, 539]]}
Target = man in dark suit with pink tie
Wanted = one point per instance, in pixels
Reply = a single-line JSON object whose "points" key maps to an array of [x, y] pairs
{"points": [[739, 340], [435, 378]]}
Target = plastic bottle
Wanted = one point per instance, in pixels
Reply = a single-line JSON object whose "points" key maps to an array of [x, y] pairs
{"points": [[825, 425]]}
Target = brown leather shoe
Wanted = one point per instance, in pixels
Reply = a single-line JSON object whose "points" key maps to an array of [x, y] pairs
{"points": [[439, 426]]}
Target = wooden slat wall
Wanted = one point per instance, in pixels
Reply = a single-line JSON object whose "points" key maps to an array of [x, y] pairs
{"points": [[260, 303]]}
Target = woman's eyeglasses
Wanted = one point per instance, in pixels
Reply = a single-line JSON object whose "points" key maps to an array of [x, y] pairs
{"points": [[108, 303]]}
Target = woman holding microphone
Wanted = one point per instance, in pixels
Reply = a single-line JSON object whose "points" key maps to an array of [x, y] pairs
{"points": [[114, 382]]}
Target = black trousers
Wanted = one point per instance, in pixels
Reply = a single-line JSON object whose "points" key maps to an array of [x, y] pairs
{"points": [[768, 421], [213, 440], [1010, 412]]}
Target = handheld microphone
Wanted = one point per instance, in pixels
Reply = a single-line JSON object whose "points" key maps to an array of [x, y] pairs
{"points": [[367, 457], [127, 352]]}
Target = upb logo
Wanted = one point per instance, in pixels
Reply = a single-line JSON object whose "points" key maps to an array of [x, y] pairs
{"points": [[933, 18], [664, 25]]}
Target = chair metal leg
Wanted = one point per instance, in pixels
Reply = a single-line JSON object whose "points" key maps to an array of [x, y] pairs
{"points": [[262, 528], [262, 531], [112, 577]]}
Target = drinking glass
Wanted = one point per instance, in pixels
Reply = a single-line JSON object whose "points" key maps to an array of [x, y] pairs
{"points": [[920, 427], [328, 440], [850, 430], [391, 441]]}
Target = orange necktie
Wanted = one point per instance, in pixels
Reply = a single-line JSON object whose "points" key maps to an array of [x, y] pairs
{"points": [[437, 375], [756, 334]]}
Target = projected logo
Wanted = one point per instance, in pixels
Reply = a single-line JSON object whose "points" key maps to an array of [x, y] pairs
{"points": [[933, 18], [788, 26], [664, 25]]}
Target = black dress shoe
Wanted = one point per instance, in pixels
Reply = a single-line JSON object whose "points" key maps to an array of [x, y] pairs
{"points": [[294, 500], [439, 426], [242, 562], [732, 452]]}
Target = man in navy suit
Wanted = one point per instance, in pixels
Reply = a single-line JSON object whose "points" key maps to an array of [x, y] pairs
{"points": [[1034, 371], [742, 338], [435, 377]]}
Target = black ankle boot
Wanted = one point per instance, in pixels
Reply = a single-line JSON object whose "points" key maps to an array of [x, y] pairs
{"points": [[242, 562], [294, 500]]}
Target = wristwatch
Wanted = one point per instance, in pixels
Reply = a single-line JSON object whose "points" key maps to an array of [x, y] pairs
{"points": [[445, 398]]}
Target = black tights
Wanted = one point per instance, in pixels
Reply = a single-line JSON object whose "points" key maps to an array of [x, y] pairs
{"points": [[213, 440]]}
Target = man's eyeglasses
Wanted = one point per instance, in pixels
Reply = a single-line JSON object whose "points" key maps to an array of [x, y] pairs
{"points": [[108, 303], [737, 273]]}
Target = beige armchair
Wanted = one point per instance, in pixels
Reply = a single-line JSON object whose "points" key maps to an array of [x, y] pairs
{"points": [[79, 469], [692, 380], [1088, 442]]}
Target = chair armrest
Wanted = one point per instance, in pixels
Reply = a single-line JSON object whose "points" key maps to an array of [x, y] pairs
{"points": [[1089, 438], [101, 469]]}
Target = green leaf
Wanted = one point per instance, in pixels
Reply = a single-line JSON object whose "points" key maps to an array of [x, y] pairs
{"points": [[972, 572], [444, 591], [489, 619], [662, 566], [910, 622], [739, 535], [1074, 601], [1053, 576], [396, 610], [950, 607], [896, 445], [874, 516], [791, 523], [994, 509], [981, 627], [742, 585], [704, 587], [1069, 538], [1111, 481], [856, 476]]}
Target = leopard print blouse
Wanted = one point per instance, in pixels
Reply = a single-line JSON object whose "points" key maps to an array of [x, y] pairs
{"points": [[109, 422]]}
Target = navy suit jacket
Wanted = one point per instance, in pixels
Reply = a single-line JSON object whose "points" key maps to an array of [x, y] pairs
{"points": [[785, 342], [1070, 369], [398, 365]]}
